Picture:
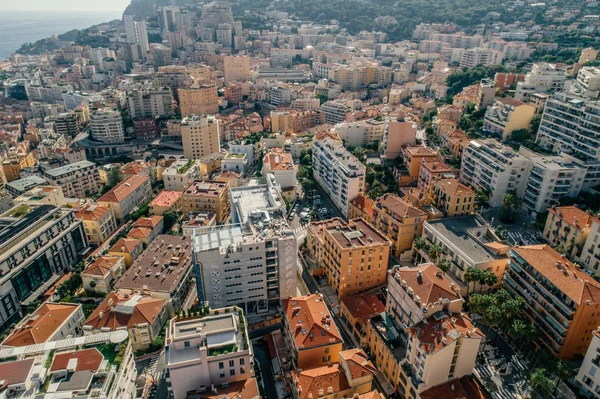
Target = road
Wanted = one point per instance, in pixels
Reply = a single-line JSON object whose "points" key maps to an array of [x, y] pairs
{"points": [[267, 377]]}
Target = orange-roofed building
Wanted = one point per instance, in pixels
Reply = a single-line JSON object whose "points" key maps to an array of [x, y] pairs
{"points": [[127, 196], [311, 332], [356, 310], [450, 112], [351, 377], [136, 168], [246, 389], [50, 322], [353, 255], [432, 170], [361, 207], [128, 248], [99, 222], [147, 229], [456, 141], [207, 195], [413, 156], [568, 226], [452, 197], [165, 201], [280, 164], [562, 300], [102, 273], [87, 360], [141, 315]]}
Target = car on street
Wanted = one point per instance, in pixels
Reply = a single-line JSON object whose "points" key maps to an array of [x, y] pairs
{"points": [[304, 216]]}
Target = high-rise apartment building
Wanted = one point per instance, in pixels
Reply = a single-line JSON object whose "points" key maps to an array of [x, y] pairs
{"points": [[106, 125], [137, 33], [200, 136], [236, 68], [480, 56], [543, 78], [149, 103], [353, 255], [361, 133], [198, 100], [337, 171], [494, 167], [253, 261], [38, 245]]}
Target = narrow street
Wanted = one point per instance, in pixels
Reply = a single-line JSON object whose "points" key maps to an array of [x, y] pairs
{"points": [[267, 379]]}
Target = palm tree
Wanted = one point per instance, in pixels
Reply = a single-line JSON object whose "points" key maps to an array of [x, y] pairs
{"points": [[488, 278], [540, 382], [419, 243], [470, 276], [445, 265], [435, 252]]}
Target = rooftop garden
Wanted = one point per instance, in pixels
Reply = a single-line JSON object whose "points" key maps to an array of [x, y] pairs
{"points": [[185, 167], [223, 350]]}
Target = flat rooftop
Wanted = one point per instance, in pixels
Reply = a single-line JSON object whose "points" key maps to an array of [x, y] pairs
{"points": [[206, 188], [207, 325]]}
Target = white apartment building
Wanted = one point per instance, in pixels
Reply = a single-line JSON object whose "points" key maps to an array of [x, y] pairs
{"points": [[571, 124], [137, 33], [281, 165], [149, 103], [361, 133], [106, 125], [494, 167], [206, 352], [551, 178], [587, 83], [334, 111], [77, 180], [235, 163], [181, 174], [252, 262], [590, 255], [338, 172], [200, 136], [543, 78], [587, 377], [480, 56]]}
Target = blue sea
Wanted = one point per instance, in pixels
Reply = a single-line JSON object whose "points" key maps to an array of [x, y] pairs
{"points": [[17, 28]]}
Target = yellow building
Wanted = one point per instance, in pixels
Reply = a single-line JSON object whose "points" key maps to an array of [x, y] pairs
{"points": [[207, 195], [413, 156], [210, 164], [236, 68], [127, 248], [397, 219], [452, 197], [199, 100], [569, 227], [99, 222], [506, 115], [200, 136], [12, 170], [310, 332], [355, 312], [353, 255]]}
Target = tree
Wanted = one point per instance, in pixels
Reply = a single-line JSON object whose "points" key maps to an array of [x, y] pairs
{"points": [[360, 153], [541, 383], [419, 243], [306, 157], [471, 275], [520, 135], [308, 185], [116, 176], [510, 205], [169, 219], [445, 265], [434, 252], [482, 196]]}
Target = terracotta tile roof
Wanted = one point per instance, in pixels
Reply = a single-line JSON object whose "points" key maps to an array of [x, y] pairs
{"points": [[206, 188], [365, 203], [574, 216], [92, 212], [436, 166], [399, 207], [374, 394], [87, 359], [356, 231], [453, 187], [166, 198], [363, 306], [421, 151], [121, 311], [103, 265], [428, 282], [128, 244], [311, 322], [124, 189], [41, 325], [228, 175], [327, 380], [434, 334], [134, 168], [574, 283], [509, 101], [150, 222], [358, 363], [139, 232], [15, 372], [463, 388], [277, 159], [246, 389]]}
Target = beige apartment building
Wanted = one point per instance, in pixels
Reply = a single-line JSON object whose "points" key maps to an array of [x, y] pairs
{"points": [[200, 136], [127, 196], [353, 255], [452, 197], [77, 180], [99, 222], [236, 68], [199, 100], [207, 195], [568, 227]]}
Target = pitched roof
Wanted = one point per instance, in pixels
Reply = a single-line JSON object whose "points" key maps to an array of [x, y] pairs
{"points": [[87, 359], [576, 284], [358, 363], [454, 187], [103, 265], [150, 222], [139, 232], [41, 325], [92, 212], [166, 198], [320, 379], [574, 216], [435, 334], [399, 207], [428, 282], [124, 189], [127, 245], [118, 310], [421, 151], [435, 166], [15, 372], [311, 322], [363, 306], [509, 101], [365, 203]]}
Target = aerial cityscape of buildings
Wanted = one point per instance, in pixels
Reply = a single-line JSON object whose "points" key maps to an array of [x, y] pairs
{"points": [[205, 200]]}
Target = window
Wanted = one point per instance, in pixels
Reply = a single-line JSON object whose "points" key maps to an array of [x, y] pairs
{"points": [[231, 363], [242, 361], [232, 372], [221, 366], [186, 344], [222, 375]]}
